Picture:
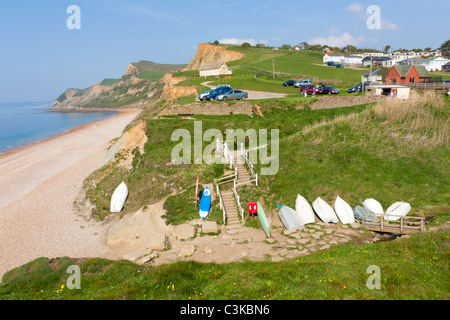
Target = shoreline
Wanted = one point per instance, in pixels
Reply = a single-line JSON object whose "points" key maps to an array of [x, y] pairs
{"points": [[38, 186], [79, 127]]}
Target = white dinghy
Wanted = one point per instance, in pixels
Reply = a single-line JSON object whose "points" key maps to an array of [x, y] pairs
{"points": [[324, 211], [119, 197], [344, 211], [304, 210]]}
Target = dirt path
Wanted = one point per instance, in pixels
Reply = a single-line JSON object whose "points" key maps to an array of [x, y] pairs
{"points": [[144, 237], [254, 95]]}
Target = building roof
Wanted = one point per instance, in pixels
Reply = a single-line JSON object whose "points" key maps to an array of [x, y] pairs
{"points": [[375, 58], [403, 71], [211, 65], [423, 73], [376, 71]]}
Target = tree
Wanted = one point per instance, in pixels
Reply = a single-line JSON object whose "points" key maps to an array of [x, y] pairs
{"points": [[387, 48], [445, 48], [216, 42], [286, 47], [246, 45]]}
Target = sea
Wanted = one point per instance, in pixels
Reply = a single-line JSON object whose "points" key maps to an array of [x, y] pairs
{"points": [[23, 123]]}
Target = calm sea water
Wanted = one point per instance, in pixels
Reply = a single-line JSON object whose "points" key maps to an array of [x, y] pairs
{"points": [[23, 123]]}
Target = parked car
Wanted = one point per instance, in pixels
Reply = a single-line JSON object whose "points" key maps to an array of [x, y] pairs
{"points": [[354, 89], [201, 96], [302, 83], [309, 89], [330, 90], [216, 92], [446, 81], [289, 83], [330, 63], [233, 95], [339, 65]]}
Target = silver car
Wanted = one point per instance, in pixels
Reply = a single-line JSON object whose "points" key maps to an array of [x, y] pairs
{"points": [[233, 95], [302, 83]]}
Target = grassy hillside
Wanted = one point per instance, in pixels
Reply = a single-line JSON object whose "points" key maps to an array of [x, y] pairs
{"points": [[152, 71], [255, 71], [391, 151], [414, 268]]}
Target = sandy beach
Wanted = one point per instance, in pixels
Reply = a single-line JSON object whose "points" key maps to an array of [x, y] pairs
{"points": [[38, 186]]}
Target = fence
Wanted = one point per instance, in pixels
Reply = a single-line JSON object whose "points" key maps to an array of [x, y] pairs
{"points": [[403, 225], [428, 85]]}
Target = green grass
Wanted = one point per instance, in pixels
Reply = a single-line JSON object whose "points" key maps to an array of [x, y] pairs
{"points": [[108, 82], [151, 75], [305, 66], [152, 71], [414, 268]]}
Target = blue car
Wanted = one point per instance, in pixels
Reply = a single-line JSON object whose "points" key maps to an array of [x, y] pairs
{"points": [[216, 92]]}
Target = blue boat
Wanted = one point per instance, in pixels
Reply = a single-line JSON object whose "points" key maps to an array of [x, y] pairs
{"points": [[369, 216], [205, 203]]}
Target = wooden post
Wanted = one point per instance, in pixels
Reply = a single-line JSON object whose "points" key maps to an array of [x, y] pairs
{"points": [[196, 192], [401, 224]]}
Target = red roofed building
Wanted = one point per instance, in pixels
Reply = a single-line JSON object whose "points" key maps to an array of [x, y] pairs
{"points": [[407, 74]]}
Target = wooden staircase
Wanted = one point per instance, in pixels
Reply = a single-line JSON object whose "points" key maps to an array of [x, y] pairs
{"points": [[229, 202], [243, 175]]}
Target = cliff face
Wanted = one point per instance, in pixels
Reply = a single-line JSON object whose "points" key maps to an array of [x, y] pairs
{"points": [[207, 53], [139, 83]]}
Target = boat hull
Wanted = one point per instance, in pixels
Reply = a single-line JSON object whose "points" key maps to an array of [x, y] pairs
{"points": [[304, 210], [263, 219], [324, 211], [119, 197], [291, 220]]}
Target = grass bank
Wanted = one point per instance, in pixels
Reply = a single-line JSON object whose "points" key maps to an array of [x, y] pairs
{"points": [[413, 268]]}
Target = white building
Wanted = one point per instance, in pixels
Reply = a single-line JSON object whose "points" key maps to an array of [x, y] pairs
{"points": [[432, 64], [336, 58], [214, 69], [353, 60]]}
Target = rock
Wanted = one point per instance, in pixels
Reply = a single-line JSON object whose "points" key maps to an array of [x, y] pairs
{"points": [[207, 249], [187, 251], [270, 240], [325, 247], [317, 235], [134, 256], [303, 241], [185, 231], [296, 236], [148, 258], [161, 243], [209, 227]]}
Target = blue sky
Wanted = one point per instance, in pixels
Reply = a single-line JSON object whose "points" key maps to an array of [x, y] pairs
{"points": [[40, 57]]}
